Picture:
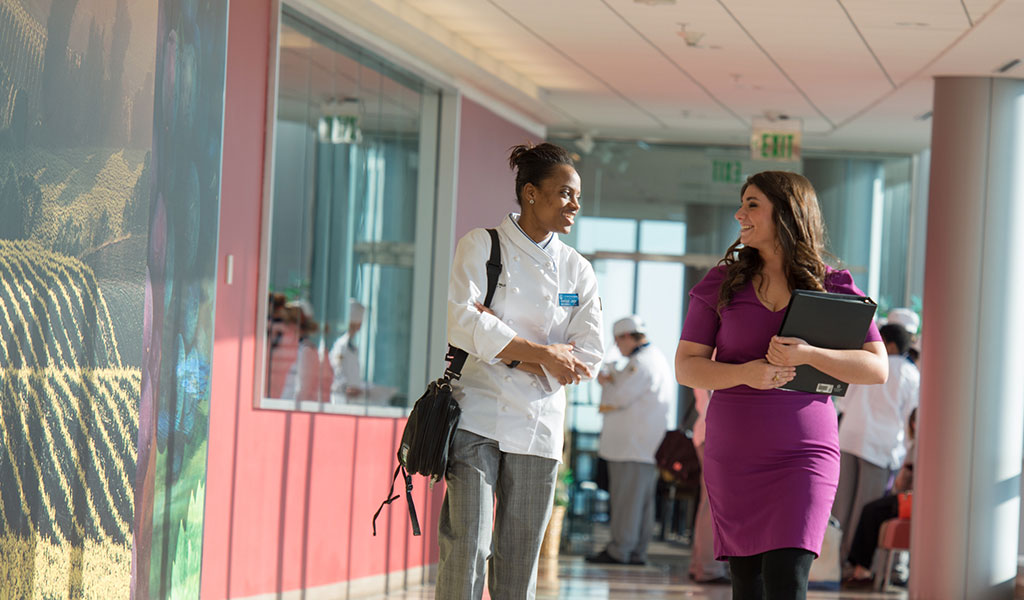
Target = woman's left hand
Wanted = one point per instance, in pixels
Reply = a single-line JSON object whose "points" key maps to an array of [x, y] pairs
{"points": [[788, 351]]}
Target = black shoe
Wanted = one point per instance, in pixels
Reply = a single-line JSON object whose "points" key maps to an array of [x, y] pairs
{"points": [[637, 561], [857, 583], [603, 559]]}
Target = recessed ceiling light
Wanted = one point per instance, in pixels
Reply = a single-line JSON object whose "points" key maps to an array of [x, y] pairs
{"points": [[1013, 63], [911, 24], [655, 2]]}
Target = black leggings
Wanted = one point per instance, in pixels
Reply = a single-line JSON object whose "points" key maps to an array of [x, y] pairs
{"points": [[773, 575], [865, 537]]}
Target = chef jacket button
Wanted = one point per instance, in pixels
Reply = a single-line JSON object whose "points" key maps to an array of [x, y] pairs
{"points": [[548, 297], [516, 258], [534, 384], [511, 322], [508, 378], [504, 408], [515, 290]]}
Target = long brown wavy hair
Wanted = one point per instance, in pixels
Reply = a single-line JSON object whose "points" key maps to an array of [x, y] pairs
{"points": [[799, 233]]}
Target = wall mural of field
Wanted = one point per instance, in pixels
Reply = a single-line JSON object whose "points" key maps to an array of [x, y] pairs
{"points": [[86, 349]]}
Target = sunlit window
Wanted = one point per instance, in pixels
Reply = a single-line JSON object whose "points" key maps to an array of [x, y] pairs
{"points": [[353, 158]]}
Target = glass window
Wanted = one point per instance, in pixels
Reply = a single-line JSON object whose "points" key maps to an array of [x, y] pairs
{"points": [[593, 234], [349, 171], [663, 237], [615, 281], [659, 301], [684, 198]]}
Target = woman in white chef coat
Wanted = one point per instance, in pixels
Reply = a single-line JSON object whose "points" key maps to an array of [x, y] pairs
{"points": [[542, 331], [344, 357]]}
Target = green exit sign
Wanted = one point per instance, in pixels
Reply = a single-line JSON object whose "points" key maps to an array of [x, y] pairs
{"points": [[777, 146], [726, 171], [775, 142]]}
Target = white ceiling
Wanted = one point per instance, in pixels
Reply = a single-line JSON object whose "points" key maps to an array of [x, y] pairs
{"points": [[857, 72]]}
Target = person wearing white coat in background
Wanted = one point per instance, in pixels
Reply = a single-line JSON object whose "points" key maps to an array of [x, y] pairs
{"points": [[344, 357], [635, 402], [541, 332], [873, 433], [301, 381]]}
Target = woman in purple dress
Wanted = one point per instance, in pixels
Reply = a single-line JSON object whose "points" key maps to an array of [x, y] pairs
{"points": [[771, 456]]}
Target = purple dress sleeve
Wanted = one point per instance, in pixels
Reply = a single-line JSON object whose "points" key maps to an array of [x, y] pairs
{"points": [[702, 319], [841, 282]]}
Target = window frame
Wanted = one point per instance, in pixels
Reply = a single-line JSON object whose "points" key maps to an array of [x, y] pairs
{"points": [[435, 217]]}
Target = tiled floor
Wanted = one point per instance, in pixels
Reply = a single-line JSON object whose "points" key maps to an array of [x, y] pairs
{"points": [[571, 578]]}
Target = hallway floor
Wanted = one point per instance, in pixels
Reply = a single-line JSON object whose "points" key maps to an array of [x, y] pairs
{"points": [[569, 577]]}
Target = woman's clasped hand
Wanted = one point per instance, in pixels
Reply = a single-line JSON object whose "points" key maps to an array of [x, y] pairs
{"points": [[765, 376]]}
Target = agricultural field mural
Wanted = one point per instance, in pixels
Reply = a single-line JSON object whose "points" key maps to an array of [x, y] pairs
{"points": [[110, 117]]}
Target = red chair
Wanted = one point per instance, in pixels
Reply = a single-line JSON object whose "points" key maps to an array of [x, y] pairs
{"points": [[893, 537]]}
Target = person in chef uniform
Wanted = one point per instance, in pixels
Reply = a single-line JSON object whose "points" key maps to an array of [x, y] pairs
{"points": [[301, 381], [541, 332], [635, 402], [344, 357]]}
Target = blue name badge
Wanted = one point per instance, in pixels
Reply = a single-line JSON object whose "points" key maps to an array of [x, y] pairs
{"points": [[568, 299]]}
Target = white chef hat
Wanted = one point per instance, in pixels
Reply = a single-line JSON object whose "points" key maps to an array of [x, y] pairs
{"points": [[355, 311], [905, 317], [630, 324]]}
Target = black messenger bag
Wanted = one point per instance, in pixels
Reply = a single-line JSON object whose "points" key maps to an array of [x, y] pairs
{"points": [[435, 416]]}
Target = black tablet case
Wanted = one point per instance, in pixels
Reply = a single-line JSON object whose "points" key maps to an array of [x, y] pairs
{"points": [[826, 320]]}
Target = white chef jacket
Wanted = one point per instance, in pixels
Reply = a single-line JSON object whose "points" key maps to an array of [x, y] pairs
{"points": [[523, 412], [304, 374], [345, 364], [875, 416], [641, 394]]}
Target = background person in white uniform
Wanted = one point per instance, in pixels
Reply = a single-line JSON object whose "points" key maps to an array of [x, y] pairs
{"points": [[635, 402], [872, 433], [301, 382], [542, 331], [344, 357]]}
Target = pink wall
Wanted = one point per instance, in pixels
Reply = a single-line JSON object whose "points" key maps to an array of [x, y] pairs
{"points": [[486, 191], [290, 496]]}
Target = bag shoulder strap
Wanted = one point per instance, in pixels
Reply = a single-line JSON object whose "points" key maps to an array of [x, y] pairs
{"points": [[457, 356], [392, 496], [493, 267]]}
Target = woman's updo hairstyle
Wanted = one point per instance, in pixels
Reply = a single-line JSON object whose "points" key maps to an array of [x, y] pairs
{"points": [[533, 164]]}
